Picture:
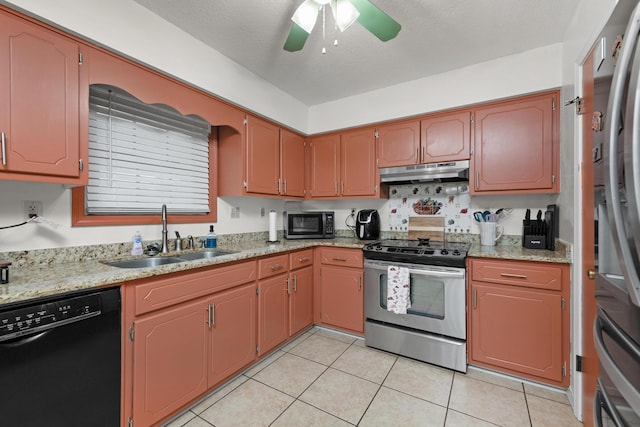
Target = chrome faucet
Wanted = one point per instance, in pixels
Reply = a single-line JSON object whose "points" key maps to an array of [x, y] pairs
{"points": [[165, 246]]}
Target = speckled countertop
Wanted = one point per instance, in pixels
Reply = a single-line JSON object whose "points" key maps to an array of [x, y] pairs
{"points": [[42, 273]]}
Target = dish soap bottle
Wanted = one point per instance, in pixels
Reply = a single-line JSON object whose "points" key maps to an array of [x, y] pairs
{"points": [[212, 240], [136, 248]]}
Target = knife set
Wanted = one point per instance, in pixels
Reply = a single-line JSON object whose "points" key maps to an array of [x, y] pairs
{"points": [[541, 233]]}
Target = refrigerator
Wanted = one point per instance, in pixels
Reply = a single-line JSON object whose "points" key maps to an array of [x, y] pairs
{"points": [[616, 156]]}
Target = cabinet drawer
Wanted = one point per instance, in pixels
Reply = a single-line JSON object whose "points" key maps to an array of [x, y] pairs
{"points": [[343, 257], [301, 258], [153, 294], [520, 273], [273, 265]]}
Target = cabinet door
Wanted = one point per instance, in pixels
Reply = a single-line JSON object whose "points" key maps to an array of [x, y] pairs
{"points": [[517, 329], [358, 163], [273, 313], [39, 93], [446, 137], [292, 160], [233, 332], [301, 300], [341, 298], [263, 156], [399, 144], [169, 361], [515, 146], [324, 165]]}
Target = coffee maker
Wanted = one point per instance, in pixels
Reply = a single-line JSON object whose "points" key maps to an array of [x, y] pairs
{"points": [[368, 224]]}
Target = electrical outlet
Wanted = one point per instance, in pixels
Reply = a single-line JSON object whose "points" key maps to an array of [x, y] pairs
{"points": [[235, 212], [263, 212], [32, 208], [353, 211]]}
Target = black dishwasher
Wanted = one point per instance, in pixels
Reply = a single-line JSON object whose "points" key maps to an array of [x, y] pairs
{"points": [[60, 361]]}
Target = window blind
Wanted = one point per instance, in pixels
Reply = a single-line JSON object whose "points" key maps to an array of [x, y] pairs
{"points": [[142, 156]]}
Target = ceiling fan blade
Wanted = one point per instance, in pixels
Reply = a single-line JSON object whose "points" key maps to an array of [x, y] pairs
{"points": [[297, 38], [376, 21]]}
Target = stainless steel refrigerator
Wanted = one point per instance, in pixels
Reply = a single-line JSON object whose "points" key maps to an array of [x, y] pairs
{"points": [[617, 199]]}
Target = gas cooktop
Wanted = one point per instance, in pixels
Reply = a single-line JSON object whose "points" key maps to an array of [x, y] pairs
{"points": [[421, 251]]}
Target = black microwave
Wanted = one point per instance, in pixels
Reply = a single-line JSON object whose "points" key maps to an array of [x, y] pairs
{"points": [[309, 225]]}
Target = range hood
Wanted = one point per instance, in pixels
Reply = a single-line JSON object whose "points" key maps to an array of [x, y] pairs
{"points": [[435, 172]]}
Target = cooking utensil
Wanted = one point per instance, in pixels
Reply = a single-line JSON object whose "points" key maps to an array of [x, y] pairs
{"points": [[481, 216]]}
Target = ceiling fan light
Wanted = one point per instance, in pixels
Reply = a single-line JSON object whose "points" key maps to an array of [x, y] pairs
{"points": [[344, 13], [322, 2], [306, 15]]}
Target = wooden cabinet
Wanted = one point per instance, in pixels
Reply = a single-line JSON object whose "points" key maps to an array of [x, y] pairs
{"points": [[185, 334], [445, 137], [339, 293], [273, 302], [301, 291], [344, 165], [270, 162], [39, 110], [516, 146], [399, 143], [519, 318]]}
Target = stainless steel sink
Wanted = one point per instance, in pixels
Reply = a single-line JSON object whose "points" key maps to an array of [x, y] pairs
{"points": [[145, 262], [202, 255]]}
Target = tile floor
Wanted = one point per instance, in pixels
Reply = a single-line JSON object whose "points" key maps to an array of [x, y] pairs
{"points": [[324, 378]]}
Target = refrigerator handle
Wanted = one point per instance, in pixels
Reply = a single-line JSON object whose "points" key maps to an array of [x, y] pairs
{"points": [[612, 172]]}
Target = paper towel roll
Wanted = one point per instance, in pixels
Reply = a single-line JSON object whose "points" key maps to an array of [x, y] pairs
{"points": [[273, 233]]}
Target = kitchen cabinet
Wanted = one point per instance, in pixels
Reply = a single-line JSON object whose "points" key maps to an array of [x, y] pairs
{"points": [[516, 146], [344, 165], [301, 291], [339, 293], [399, 143], [40, 73], [185, 334], [273, 302], [270, 162], [519, 318], [445, 137]]}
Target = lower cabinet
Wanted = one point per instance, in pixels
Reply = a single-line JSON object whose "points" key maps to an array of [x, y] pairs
{"points": [[340, 289], [519, 318], [301, 295]]}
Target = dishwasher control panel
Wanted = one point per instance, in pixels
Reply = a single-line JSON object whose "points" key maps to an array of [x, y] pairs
{"points": [[38, 317]]}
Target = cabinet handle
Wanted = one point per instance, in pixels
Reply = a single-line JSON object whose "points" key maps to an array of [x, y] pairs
{"points": [[284, 182], [279, 192], [335, 187], [209, 316], [477, 179], [288, 287], [276, 267], [475, 298], [418, 157], [339, 259], [4, 150], [342, 187], [295, 283], [359, 283], [424, 154], [517, 276], [305, 259], [213, 314]]}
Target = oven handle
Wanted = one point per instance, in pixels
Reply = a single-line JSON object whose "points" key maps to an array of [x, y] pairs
{"points": [[424, 271]]}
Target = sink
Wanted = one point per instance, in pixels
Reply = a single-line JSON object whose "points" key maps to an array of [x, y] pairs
{"points": [[144, 262], [203, 255]]}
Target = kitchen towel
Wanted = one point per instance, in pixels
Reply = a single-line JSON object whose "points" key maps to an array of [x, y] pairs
{"points": [[398, 289]]}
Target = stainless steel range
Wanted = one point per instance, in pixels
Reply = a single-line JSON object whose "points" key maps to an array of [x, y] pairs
{"points": [[434, 327]]}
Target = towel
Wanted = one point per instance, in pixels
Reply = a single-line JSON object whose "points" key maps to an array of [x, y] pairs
{"points": [[398, 289]]}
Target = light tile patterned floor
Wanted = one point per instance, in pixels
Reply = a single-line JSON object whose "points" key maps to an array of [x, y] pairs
{"points": [[325, 378]]}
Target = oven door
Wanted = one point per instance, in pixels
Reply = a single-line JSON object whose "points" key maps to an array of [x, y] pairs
{"points": [[437, 298]]}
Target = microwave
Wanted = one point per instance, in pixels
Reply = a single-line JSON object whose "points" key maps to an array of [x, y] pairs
{"points": [[309, 225]]}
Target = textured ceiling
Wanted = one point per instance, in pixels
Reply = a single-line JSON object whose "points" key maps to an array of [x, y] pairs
{"points": [[436, 36]]}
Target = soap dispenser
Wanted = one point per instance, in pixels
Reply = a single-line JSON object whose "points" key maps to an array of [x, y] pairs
{"points": [[212, 240], [136, 248]]}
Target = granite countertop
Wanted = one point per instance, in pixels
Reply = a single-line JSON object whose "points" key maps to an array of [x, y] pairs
{"points": [[74, 269], [33, 281]]}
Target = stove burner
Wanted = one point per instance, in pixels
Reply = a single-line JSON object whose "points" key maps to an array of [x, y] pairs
{"points": [[421, 251]]}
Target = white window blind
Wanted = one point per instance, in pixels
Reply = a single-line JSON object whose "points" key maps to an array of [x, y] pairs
{"points": [[142, 156]]}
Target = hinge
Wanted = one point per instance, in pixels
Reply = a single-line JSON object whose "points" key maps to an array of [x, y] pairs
{"points": [[579, 104], [80, 58], [562, 303], [257, 291], [130, 422], [257, 349], [473, 119], [553, 179], [578, 363], [564, 368], [81, 165], [553, 104], [377, 162], [132, 333], [375, 133], [245, 184]]}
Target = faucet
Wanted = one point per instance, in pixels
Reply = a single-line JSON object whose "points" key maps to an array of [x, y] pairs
{"points": [[165, 246]]}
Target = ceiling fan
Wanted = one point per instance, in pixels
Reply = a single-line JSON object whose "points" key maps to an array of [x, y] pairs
{"points": [[345, 13]]}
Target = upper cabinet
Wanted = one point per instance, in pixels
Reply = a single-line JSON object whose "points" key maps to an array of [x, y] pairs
{"points": [[399, 144], [344, 165], [270, 162], [39, 111], [516, 146]]}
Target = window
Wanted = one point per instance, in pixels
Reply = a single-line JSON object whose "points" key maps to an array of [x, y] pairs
{"points": [[140, 157]]}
